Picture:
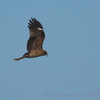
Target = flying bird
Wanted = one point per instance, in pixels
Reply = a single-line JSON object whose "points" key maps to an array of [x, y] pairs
{"points": [[35, 41]]}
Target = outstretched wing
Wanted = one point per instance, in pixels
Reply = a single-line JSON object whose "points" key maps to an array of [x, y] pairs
{"points": [[36, 35]]}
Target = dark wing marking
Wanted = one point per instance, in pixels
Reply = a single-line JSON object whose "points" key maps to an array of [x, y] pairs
{"points": [[36, 35], [39, 41]]}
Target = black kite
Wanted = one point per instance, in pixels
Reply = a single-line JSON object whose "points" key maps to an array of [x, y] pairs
{"points": [[35, 41]]}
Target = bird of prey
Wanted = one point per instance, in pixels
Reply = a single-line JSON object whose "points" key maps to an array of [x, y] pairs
{"points": [[35, 41]]}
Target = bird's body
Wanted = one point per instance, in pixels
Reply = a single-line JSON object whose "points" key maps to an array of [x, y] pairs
{"points": [[36, 53], [35, 41]]}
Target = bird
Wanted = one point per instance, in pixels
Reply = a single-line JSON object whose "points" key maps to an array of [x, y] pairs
{"points": [[35, 41]]}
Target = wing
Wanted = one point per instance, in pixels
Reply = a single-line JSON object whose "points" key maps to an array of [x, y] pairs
{"points": [[36, 35]]}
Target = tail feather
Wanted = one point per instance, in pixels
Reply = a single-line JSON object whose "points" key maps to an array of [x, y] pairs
{"points": [[19, 58]]}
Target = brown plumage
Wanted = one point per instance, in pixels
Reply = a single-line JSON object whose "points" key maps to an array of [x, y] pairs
{"points": [[35, 41]]}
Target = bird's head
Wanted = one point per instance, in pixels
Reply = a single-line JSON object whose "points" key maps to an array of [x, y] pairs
{"points": [[45, 53]]}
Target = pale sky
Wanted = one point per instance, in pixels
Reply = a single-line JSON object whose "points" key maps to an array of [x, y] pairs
{"points": [[72, 69]]}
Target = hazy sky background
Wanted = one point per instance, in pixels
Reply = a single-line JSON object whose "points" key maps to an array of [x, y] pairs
{"points": [[72, 69]]}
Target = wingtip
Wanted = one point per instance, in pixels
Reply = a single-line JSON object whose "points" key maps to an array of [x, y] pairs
{"points": [[34, 18]]}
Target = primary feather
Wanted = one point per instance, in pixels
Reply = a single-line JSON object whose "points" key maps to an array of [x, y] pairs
{"points": [[36, 35]]}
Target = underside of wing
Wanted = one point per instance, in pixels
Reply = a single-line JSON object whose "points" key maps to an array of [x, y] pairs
{"points": [[36, 35]]}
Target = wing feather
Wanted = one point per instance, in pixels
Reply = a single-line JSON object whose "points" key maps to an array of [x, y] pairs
{"points": [[37, 36]]}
